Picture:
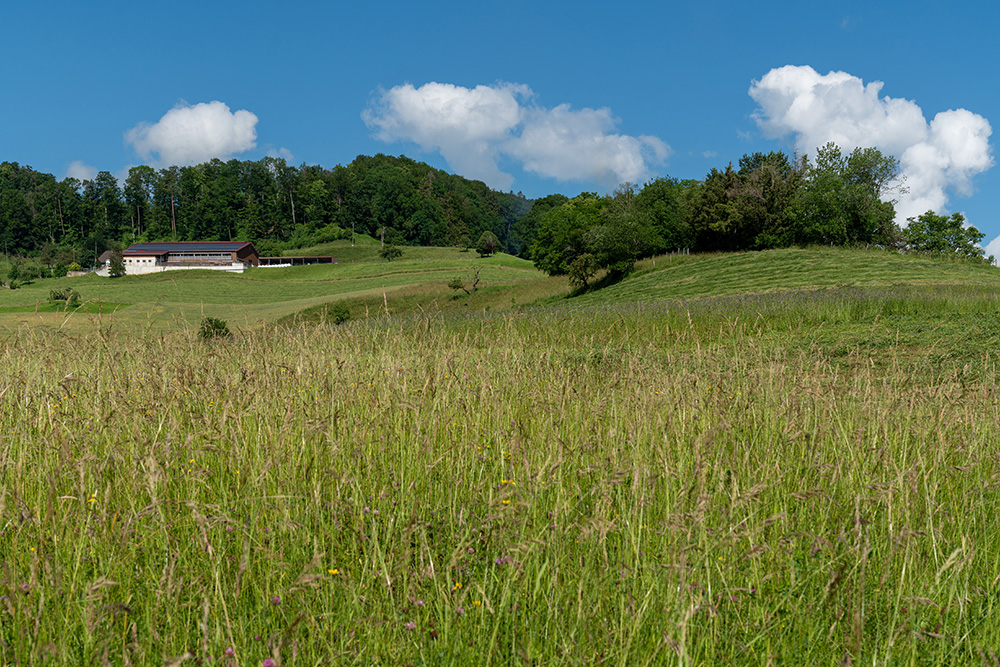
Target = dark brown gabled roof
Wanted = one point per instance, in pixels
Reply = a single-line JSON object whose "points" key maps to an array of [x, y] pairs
{"points": [[147, 249]]}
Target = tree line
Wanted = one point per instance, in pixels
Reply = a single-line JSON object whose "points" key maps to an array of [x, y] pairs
{"points": [[269, 202], [769, 200]]}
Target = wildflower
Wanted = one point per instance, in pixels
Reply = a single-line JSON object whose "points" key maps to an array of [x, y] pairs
{"points": [[267, 663], [276, 600], [420, 603], [410, 625], [458, 585], [230, 652], [460, 611], [333, 571]]}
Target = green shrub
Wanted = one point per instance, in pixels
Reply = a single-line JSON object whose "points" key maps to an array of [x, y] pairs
{"points": [[213, 327], [339, 313], [68, 295], [390, 252], [31, 272]]}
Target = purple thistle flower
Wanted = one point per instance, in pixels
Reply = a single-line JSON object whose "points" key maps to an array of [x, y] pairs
{"points": [[267, 663], [276, 600]]}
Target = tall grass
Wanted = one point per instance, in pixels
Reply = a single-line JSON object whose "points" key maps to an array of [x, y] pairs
{"points": [[673, 483]]}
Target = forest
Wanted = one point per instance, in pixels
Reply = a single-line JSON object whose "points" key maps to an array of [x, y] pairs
{"points": [[273, 204], [768, 200]]}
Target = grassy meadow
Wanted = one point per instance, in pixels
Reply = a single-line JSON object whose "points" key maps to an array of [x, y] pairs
{"points": [[699, 465], [162, 302]]}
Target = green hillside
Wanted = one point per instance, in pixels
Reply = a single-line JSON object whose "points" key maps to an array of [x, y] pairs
{"points": [[419, 281], [180, 298], [846, 303], [789, 268]]}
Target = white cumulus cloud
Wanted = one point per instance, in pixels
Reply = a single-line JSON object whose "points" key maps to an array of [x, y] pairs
{"points": [[579, 145], [474, 129], [993, 248], [192, 134], [283, 153], [466, 125], [937, 158], [81, 171]]}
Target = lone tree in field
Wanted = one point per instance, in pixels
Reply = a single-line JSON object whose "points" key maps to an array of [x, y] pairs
{"points": [[459, 284], [487, 244], [390, 252], [116, 264]]}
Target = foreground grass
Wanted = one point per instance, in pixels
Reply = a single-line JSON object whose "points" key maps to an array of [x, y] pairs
{"points": [[777, 480]]}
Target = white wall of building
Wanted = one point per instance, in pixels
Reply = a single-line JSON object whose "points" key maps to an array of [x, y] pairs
{"points": [[136, 266]]}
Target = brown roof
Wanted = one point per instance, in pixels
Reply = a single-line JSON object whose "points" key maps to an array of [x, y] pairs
{"points": [[145, 249]]}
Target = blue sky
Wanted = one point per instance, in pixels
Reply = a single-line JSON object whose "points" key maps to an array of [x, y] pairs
{"points": [[530, 96]]}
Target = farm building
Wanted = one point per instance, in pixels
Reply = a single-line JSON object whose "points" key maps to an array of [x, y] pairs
{"points": [[234, 256], [297, 261], [104, 258]]}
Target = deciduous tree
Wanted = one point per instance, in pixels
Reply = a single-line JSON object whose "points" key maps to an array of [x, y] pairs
{"points": [[487, 244], [934, 233]]}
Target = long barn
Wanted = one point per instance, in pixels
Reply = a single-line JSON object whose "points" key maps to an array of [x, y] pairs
{"points": [[234, 256]]}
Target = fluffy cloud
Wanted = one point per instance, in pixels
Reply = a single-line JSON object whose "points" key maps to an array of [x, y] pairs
{"points": [[193, 134], [283, 153], [467, 125], [578, 145], [936, 158], [993, 248], [81, 171], [475, 128]]}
